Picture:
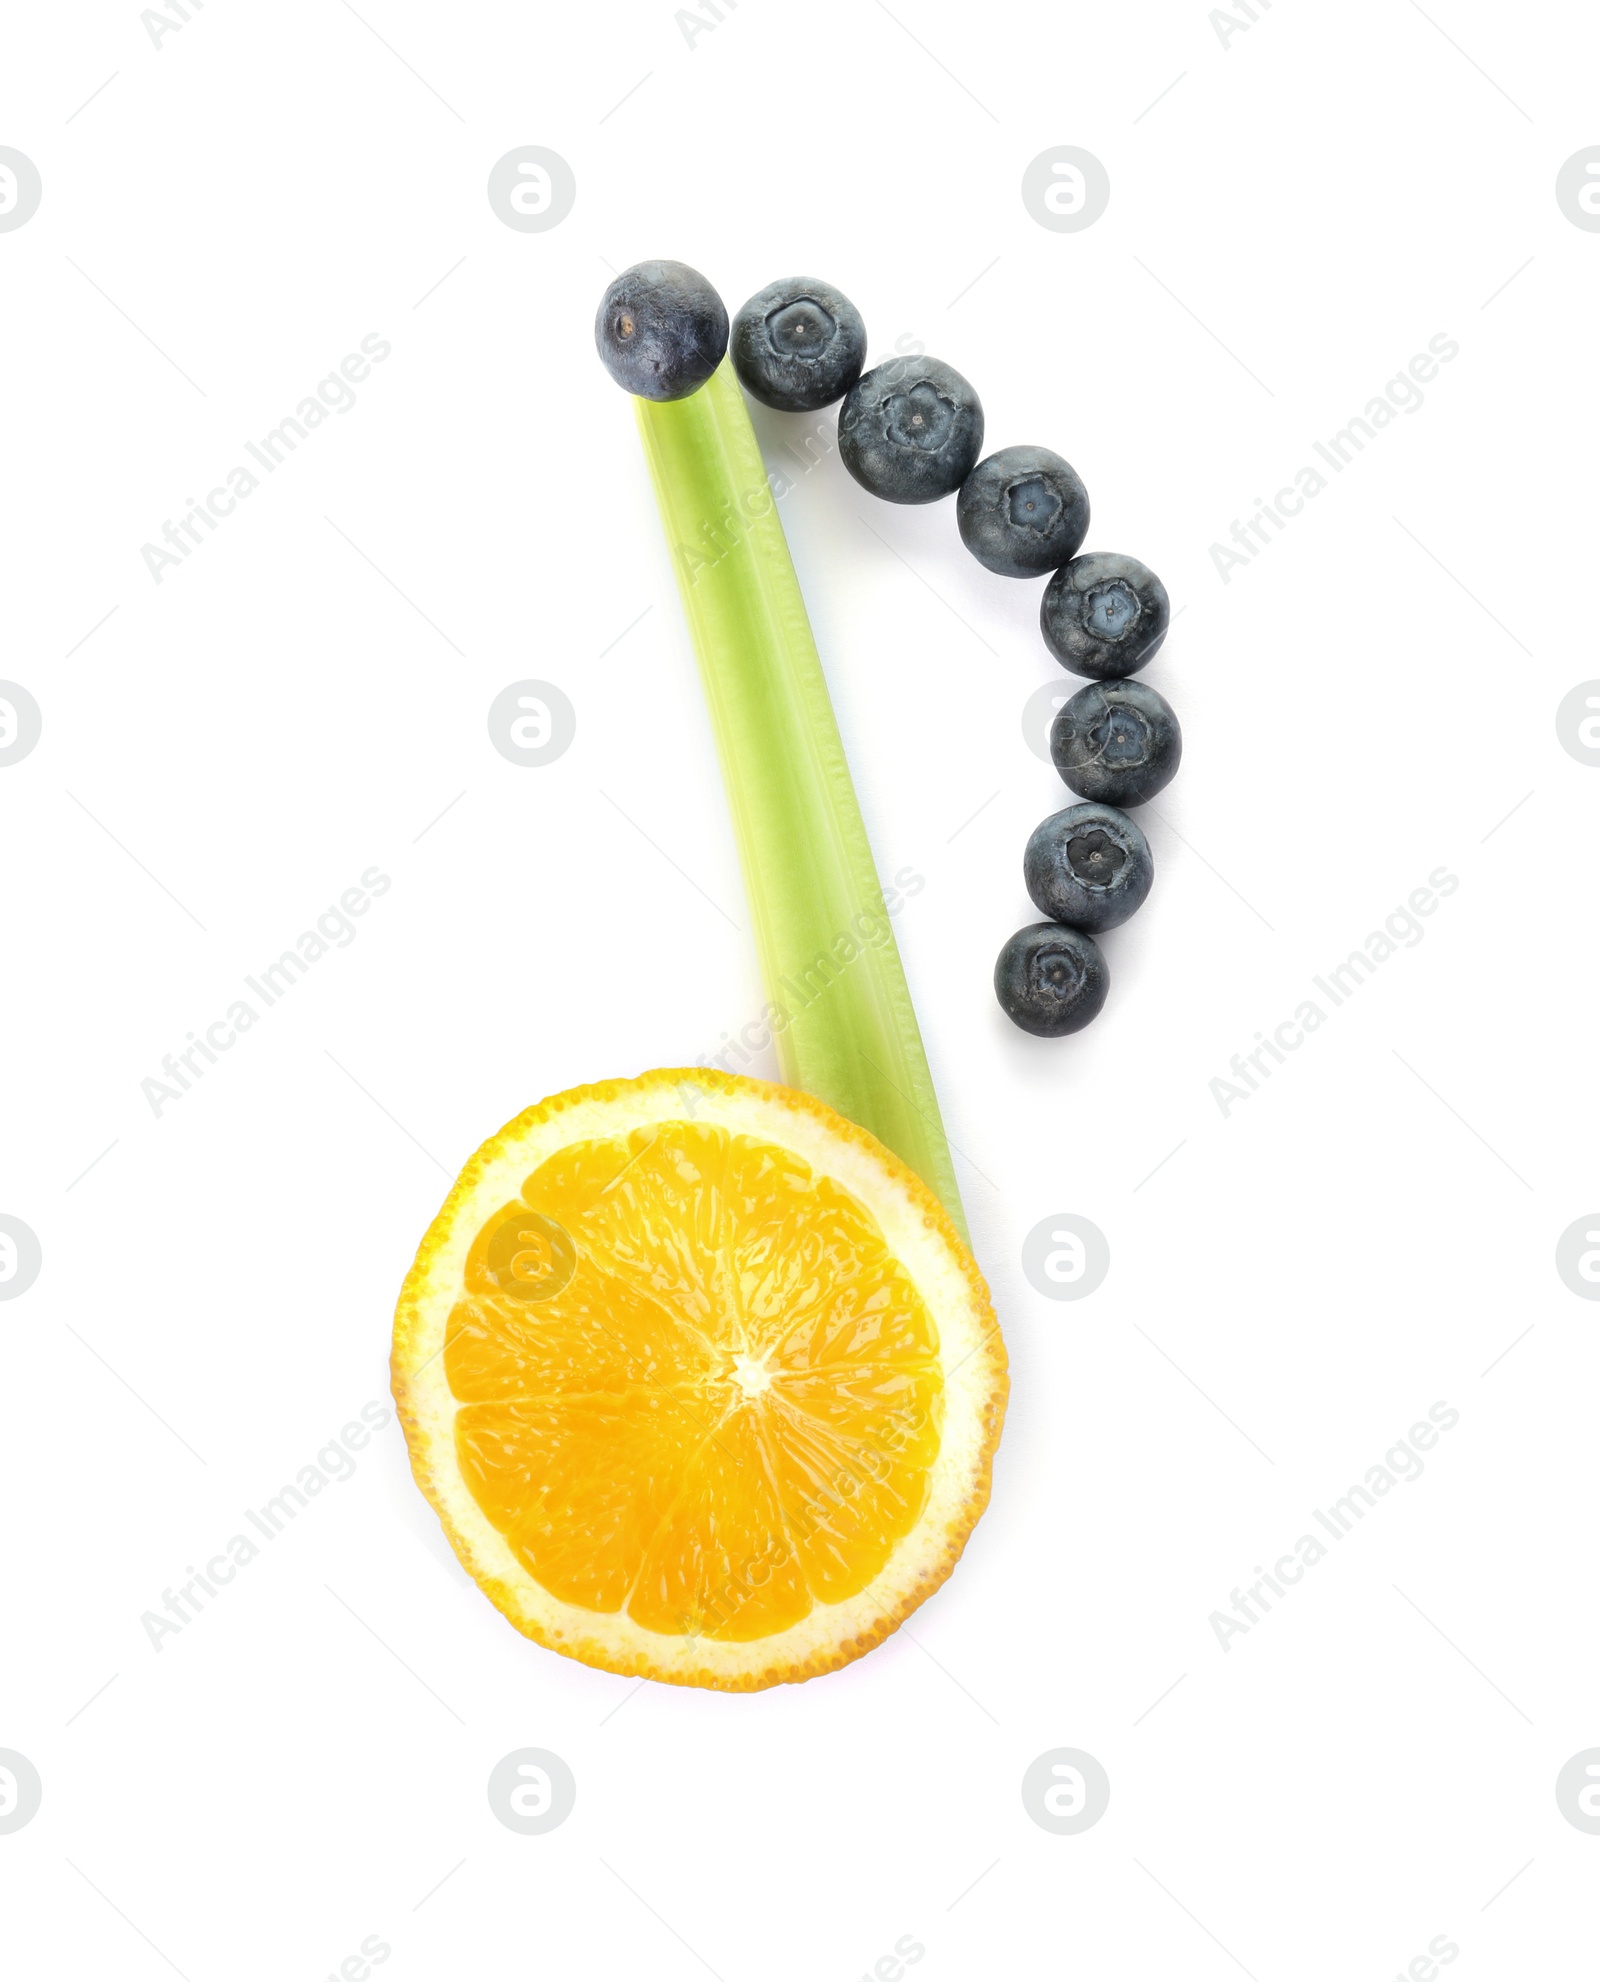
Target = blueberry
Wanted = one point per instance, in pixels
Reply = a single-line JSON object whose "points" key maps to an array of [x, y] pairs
{"points": [[1051, 980], [1104, 615], [1023, 512], [1117, 741], [798, 344], [910, 430], [1088, 867], [661, 330]]}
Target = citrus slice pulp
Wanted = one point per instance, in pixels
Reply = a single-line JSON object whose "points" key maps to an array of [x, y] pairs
{"points": [[700, 1379]]}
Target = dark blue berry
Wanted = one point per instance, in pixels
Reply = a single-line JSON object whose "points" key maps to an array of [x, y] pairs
{"points": [[1051, 980], [1023, 512], [661, 330], [1104, 614], [1088, 867], [1116, 741], [910, 430], [798, 345]]}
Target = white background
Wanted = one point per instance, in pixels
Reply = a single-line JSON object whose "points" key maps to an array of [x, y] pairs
{"points": [[1297, 1283]]}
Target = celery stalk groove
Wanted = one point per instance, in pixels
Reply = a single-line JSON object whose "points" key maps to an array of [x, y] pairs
{"points": [[827, 950]]}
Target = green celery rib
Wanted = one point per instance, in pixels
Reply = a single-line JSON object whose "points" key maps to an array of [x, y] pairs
{"points": [[851, 1037]]}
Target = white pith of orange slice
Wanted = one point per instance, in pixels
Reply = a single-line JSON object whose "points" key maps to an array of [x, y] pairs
{"points": [[700, 1379]]}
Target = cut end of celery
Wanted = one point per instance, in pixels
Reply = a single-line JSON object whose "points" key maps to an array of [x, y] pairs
{"points": [[840, 1012]]}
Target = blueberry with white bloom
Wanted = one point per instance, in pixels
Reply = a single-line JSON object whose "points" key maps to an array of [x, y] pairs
{"points": [[798, 344], [1051, 980], [1104, 615], [1089, 867], [1116, 741], [911, 430], [661, 330], [1023, 512]]}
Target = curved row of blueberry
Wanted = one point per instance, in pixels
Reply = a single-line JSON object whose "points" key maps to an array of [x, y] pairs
{"points": [[911, 431]]}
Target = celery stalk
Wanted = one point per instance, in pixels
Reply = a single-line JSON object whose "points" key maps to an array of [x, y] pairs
{"points": [[851, 1037]]}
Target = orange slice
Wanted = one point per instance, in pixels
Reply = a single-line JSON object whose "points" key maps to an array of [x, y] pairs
{"points": [[700, 1379]]}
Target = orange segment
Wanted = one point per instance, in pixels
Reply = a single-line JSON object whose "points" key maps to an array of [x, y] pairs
{"points": [[578, 1485], [852, 1473], [678, 1386], [874, 1318], [793, 1237], [649, 1209], [720, 1564], [596, 1334]]}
